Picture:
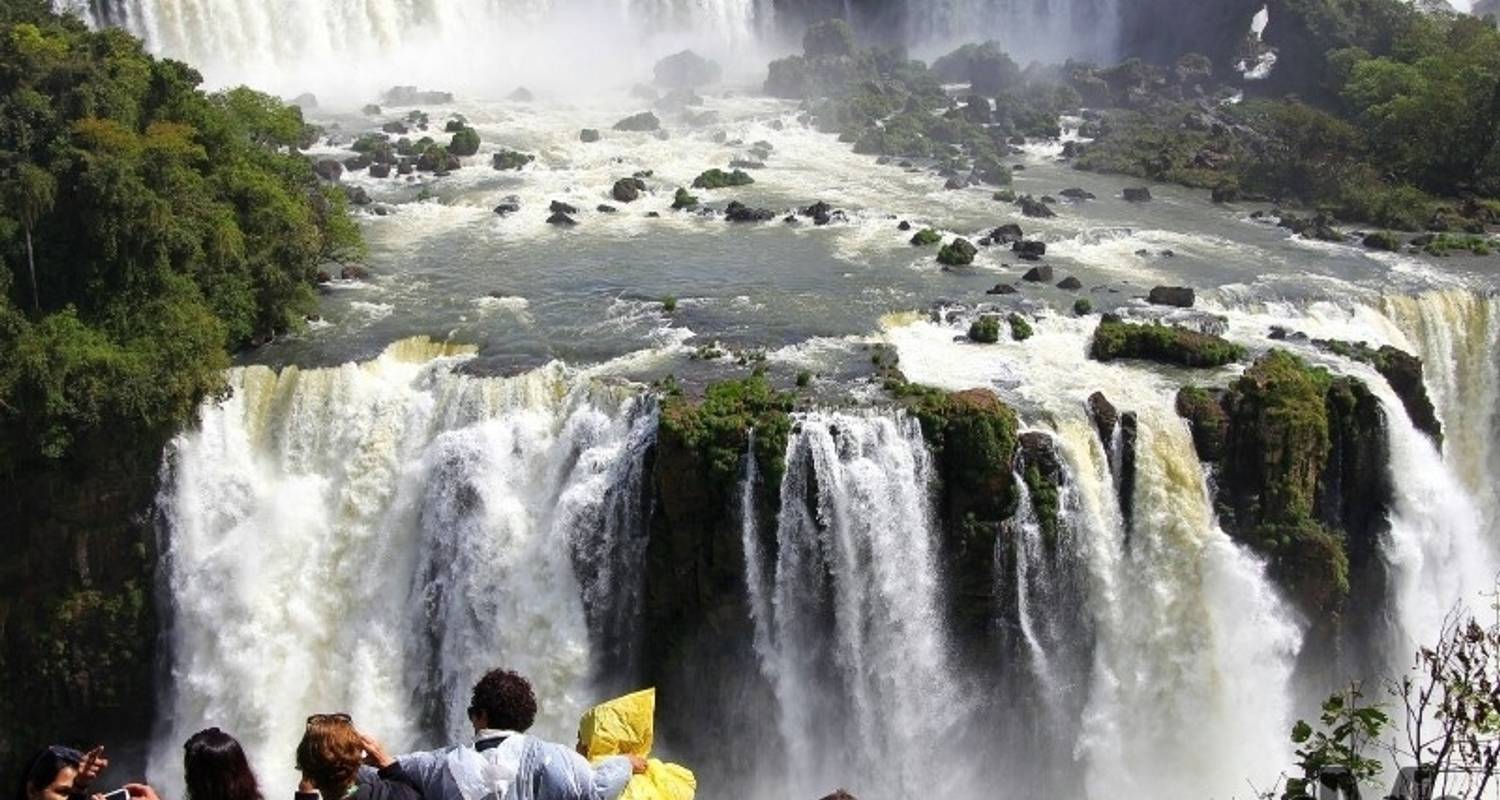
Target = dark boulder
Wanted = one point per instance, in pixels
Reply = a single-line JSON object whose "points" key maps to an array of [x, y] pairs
{"points": [[1001, 288], [353, 272], [1077, 194], [411, 96], [357, 195], [521, 95], [1070, 283], [1039, 274], [508, 206], [1009, 233], [328, 169], [588, 135], [511, 160], [561, 220], [1032, 207], [739, 212], [604, 208], [380, 170], [1139, 194], [686, 70], [1177, 296], [628, 190], [957, 253], [395, 126], [356, 163], [1030, 250], [559, 207], [642, 122]]}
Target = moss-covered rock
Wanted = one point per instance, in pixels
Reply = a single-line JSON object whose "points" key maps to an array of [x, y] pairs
{"points": [[1204, 412], [1020, 328], [957, 253], [643, 122], [985, 330], [511, 160], [627, 190], [1042, 471], [465, 142], [683, 200], [1166, 344], [1403, 371], [719, 179], [717, 427], [926, 238]]}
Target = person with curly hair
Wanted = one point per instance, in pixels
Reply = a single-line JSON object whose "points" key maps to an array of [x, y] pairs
{"points": [[505, 763], [330, 755]]}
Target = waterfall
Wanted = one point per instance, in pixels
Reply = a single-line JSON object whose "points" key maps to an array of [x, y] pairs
{"points": [[371, 538], [484, 48], [858, 655], [1192, 685]]}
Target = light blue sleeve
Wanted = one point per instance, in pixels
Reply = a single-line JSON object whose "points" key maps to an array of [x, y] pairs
{"points": [[610, 777], [553, 772], [426, 769]]}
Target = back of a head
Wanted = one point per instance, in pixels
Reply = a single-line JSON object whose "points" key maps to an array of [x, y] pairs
{"points": [[506, 701], [330, 754], [216, 768], [839, 794]]}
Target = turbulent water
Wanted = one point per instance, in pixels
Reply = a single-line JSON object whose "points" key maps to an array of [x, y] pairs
{"points": [[365, 526]]}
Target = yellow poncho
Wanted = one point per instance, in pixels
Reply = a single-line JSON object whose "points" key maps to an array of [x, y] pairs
{"points": [[625, 726]]}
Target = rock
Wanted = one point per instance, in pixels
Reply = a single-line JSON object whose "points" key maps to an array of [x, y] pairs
{"points": [[1164, 344], [985, 330], [328, 169], [1105, 417], [509, 206], [628, 190], [956, 183], [395, 126], [559, 207], [353, 272], [1077, 194], [642, 122], [743, 163], [1002, 288], [405, 166], [1403, 371], [1204, 411], [437, 159], [357, 195], [561, 220], [1137, 194], [685, 70], [465, 142], [588, 135], [511, 160], [1070, 283], [324, 277], [683, 200], [719, 179], [1383, 240], [739, 212], [1031, 207], [821, 213], [903, 225], [831, 37], [926, 238], [371, 110], [1049, 199], [356, 163], [306, 101], [1039, 274], [410, 96], [1010, 233], [958, 253], [603, 208], [1176, 296], [678, 100], [521, 95], [1030, 250], [380, 170], [1225, 194]]}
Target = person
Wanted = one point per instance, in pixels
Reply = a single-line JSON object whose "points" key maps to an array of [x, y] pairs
{"points": [[329, 757], [60, 773], [505, 763], [626, 726], [215, 768]]}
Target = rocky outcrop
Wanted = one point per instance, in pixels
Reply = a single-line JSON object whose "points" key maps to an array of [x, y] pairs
{"points": [[1403, 371], [628, 190], [686, 70], [958, 253], [1164, 344], [642, 122], [1176, 296]]}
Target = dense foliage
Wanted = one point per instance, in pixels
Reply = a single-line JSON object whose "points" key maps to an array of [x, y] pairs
{"points": [[146, 228]]}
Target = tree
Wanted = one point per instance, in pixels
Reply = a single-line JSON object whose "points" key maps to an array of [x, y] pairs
{"points": [[29, 195]]}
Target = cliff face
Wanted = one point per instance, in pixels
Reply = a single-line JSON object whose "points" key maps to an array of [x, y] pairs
{"points": [[78, 627], [1159, 31]]}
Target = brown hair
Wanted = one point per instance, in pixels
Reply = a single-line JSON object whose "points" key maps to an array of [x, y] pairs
{"points": [[330, 753]]}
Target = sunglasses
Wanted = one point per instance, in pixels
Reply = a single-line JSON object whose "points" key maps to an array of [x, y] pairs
{"points": [[318, 719]]}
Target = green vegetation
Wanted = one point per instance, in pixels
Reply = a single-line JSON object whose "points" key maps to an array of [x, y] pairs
{"points": [[717, 428], [985, 330], [465, 142], [669, 304], [511, 159], [958, 253], [804, 379], [1207, 419], [1020, 329], [1083, 307], [926, 237], [1445, 244], [683, 200], [1162, 343], [1348, 728], [719, 179], [1045, 500]]}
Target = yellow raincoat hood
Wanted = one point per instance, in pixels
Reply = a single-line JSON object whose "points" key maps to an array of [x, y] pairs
{"points": [[626, 726]]}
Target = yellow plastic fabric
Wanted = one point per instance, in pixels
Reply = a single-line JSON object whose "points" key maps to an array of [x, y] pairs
{"points": [[626, 726]]}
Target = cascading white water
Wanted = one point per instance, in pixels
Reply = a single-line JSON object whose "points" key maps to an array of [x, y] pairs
{"points": [[350, 50], [857, 650], [370, 538]]}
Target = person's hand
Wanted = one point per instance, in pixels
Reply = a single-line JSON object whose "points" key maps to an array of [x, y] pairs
{"points": [[637, 764], [89, 768], [140, 791], [375, 754]]}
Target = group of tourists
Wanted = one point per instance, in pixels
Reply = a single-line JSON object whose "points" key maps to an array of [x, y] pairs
{"points": [[337, 761]]}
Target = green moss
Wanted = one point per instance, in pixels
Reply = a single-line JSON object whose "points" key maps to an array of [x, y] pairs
{"points": [[957, 253], [1162, 343], [1020, 329], [1383, 240], [804, 379], [719, 179], [1045, 501], [985, 330], [926, 238], [465, 142], [511, 159], [1206, 418], [1448, 243], [1083, 307], [717, 428], [669, 304], [683, 200]]}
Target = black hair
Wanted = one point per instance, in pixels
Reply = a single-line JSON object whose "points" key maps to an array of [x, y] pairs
{"points": [[43, 767], [216, 769], [506, 700]]}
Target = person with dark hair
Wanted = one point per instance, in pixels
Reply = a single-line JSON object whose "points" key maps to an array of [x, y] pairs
{"points": [[504, 763], [216, 769], [60, 773], [329, 757]]}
